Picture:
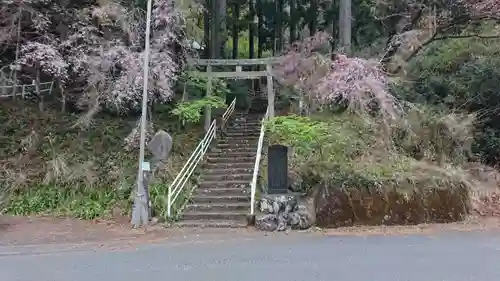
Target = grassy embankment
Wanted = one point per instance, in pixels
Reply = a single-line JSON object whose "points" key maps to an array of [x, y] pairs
{"points": [[47, 167]]}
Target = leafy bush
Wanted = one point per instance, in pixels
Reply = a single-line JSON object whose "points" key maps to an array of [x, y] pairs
{"points": [[319, 143], [196, 85], [191, 111], [301, 133]]}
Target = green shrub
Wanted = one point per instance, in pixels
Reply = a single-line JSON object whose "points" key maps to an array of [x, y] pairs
{"points": [[191, 111]]}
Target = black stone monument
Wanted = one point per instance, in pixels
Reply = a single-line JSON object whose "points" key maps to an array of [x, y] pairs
{"points": [[277, 169]]}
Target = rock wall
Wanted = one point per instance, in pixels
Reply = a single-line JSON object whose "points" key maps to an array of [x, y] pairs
{"points": [[283, 212], [329, 207], [340, 207]]}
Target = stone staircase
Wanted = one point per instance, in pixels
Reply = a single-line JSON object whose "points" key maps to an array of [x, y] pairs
{"points": [[222, 198]]}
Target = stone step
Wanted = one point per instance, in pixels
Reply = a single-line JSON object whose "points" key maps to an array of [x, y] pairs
{"points": [[241, 131], [230, 153], [217, 216], [247, 119], [212, 224], [230, 159], [218, 207], [248, 149], [245, 114], [259, 103], [236, 154], [245, 125], [242, 140], [236, 165], [224, 184], [198, 199], [221, 191], [229, 170], [253, 133], [236, 145], [226, 177]]}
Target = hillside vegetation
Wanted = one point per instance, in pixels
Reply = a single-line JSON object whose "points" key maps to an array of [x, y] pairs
{"points": [[379, 156], [393, 118], [52, 168]]}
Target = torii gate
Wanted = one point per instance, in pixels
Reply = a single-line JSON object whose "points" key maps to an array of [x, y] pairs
{"points": [[238, 73]]}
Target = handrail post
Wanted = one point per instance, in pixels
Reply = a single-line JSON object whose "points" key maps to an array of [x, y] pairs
{"points": [[169, 202], [203, 142], [215, 128]]}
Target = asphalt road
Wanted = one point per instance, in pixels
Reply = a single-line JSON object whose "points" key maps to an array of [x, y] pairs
{"points": [[447, 256]]}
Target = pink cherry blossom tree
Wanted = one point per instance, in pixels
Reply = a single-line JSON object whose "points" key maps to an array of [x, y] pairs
{"points": [[114, 67], [45, 59], [358, 83]]}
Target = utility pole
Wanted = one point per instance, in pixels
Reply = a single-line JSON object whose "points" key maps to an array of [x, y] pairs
{"points": [[140, 213]]}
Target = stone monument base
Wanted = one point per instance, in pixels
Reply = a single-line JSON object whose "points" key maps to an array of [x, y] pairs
{"points": [[280, 212]]}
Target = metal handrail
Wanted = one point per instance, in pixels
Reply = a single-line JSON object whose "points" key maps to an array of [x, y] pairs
{"points": [[187, 170], [229, 111], [256, 167]]}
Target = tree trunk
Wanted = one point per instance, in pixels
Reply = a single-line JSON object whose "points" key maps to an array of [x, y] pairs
{"points": [[345, 26], [313, 21], [236, 17], [260, 27], [293, 21], [215, 25], [63, 96], [206, 29], [251, 29], [222, 11], [260, 42], [330, 25], [276, 23], [278, 31]]}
